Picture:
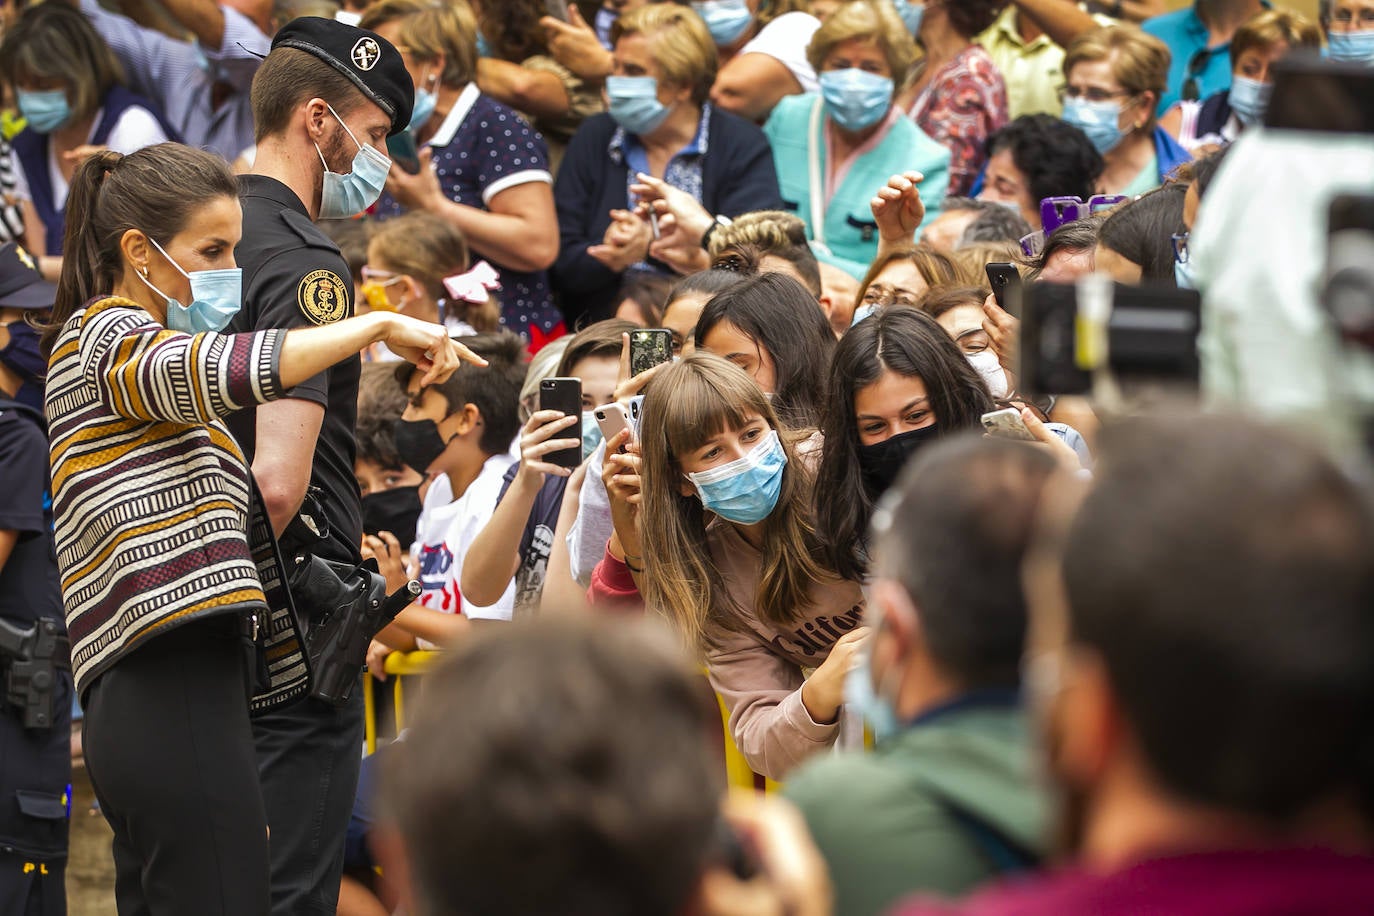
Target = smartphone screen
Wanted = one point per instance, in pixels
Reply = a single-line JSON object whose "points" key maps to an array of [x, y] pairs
{"points": [[565, 396], [403, 151], [649, 348]]}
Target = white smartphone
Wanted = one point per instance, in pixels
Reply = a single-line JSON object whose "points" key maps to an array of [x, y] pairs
{"points": [[1008, 424], [612, 419]]}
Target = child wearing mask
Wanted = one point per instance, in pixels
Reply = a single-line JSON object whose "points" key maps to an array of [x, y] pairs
{"points": [[458, 435], [730, 555]]}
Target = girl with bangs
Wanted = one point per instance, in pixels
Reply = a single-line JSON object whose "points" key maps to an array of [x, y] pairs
{"points": [[730, 555]]}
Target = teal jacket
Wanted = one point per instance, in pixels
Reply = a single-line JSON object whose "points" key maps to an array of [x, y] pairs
{"points": [[916, 814], [848, 236]]}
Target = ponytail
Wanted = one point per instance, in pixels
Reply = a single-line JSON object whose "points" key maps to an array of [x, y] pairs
{"points": [[154, 190], [87, 271]]}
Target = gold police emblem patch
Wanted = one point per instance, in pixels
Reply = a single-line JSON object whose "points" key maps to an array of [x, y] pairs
{"points": [[323, 297]]}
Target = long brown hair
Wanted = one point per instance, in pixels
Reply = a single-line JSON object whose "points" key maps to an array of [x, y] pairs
{"points": [[427, 249], [687, 404], [154, 190]]}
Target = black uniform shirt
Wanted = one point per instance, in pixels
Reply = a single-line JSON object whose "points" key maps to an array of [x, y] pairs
{"points": [[29, 583], [294, 276]]}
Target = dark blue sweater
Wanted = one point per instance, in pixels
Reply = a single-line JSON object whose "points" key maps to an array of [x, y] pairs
{"points": [[737, 177]]}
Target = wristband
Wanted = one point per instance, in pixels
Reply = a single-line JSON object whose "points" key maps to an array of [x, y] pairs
{"points": [[711, 229]]}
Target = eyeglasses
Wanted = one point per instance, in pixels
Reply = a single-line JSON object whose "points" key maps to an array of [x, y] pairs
{"points": [[1180, 240], [1192, 90], [384, 277], [1346, 17], [1093, 94], [883, 296]]}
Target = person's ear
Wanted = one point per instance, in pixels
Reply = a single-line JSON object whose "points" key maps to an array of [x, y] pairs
{"points": [[134, 247], [1092, 727], [436, 72], [412, 287], [316, 115], [895, 612], [469, 418]]}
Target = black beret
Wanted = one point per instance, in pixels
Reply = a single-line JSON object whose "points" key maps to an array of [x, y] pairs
{"points": [[369, 60]]}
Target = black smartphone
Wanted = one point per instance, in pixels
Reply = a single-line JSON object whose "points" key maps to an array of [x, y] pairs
{"points": [[648, 348], [1005, 281], [565, 396], [403, 151], [1314, 94]]}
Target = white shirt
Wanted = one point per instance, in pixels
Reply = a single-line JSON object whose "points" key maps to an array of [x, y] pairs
{"points": [[786, 39], [135, 129], [446, 529]]}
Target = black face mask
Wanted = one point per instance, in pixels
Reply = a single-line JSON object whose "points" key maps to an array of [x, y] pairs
{"points": [[881, 462], [418, 443], [396, 510], [21, 356]]}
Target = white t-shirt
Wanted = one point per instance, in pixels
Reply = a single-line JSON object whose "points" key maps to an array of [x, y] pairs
{"points": [[446, 528], [786, 39], [135, 129]]}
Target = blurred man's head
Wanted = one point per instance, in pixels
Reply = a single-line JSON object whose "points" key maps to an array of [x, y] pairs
{"points": [[1201, 645], [946, 601], [558, 767]]}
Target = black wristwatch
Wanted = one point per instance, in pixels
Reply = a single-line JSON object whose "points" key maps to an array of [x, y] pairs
{"points": [[710, 230]]}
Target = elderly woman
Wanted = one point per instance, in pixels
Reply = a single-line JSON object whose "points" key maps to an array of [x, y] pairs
{"points": [[903, 277], [1262, 41], [482, 169], [1349, 27], [69, 88], [762, 47], [835, 149], [660, 124], [957, 95], [1114, 79]]}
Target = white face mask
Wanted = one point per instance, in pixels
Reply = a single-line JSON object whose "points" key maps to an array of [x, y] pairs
{"points": [[992, 372]]}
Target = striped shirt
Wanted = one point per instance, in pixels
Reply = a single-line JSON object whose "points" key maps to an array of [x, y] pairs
{"points": [[151, 495]]}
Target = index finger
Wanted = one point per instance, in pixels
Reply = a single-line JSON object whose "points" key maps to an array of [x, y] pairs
{"points": [[633, 386], [466, 355]]}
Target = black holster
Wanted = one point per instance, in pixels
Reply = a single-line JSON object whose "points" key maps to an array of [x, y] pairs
{"points": [[33, 656]]}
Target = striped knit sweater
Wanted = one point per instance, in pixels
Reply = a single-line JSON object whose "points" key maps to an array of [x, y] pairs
{"points": [[151, 494]]}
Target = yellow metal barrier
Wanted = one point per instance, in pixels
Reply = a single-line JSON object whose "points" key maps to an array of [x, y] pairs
{"points": [[738, 773]]}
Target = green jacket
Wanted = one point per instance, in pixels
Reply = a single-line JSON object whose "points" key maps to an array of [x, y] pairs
{"points": [[886, 821]]}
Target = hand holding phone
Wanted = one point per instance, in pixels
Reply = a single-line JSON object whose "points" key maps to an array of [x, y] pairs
{"points": [[1005, 281], [403, 151], [565, 396], [613, 419], [1007, 424], [649, 347]]}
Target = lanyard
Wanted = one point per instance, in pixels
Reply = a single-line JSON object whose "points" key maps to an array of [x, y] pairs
{"points": [[817, 180]]}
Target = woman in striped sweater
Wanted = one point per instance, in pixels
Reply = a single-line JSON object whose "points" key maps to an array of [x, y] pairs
{"points": [[168, 579]]}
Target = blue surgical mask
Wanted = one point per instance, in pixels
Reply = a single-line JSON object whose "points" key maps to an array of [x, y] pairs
{"points": [[861, 697], [1099, 120], [1183, 275], [426, 101], [1249, 98], [44, 110], [911, 14], [856, 99], [862, 312], [633, 102], [745, 491], [726, 20], [483, 46], [591, 433], [605, 18], [215, 298], [1352, 47], [344, 196]]}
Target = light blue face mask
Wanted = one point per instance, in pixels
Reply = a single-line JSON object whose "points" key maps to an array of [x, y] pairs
{"points": [[605, 18], [1249, 98], [45, 110], [856, 99], [1183, 275], [1099, 120], [911, 14], [1351, 47], [861, 697], [425, 102], [591, 433], [344, 196], [633, 103], [745, 491], [864, 311], [483, 46], [726, 20], [216, 296]]}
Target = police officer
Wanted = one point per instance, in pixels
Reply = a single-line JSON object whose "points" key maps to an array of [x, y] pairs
{"points": [[324, 102], [35, 758]]}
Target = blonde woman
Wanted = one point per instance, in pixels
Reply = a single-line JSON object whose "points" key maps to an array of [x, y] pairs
{"points": [[1114, 78], [730, 555], [835, 148]]}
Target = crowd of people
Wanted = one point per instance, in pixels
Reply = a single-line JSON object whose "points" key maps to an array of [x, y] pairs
{"points": [[650, 360]]}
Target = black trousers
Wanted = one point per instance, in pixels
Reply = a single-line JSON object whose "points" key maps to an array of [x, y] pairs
{"points": [[169, 750], [308, 758]]}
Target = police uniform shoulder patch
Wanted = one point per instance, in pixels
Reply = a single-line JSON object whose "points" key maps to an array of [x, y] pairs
{"points": [[323, 297]]}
